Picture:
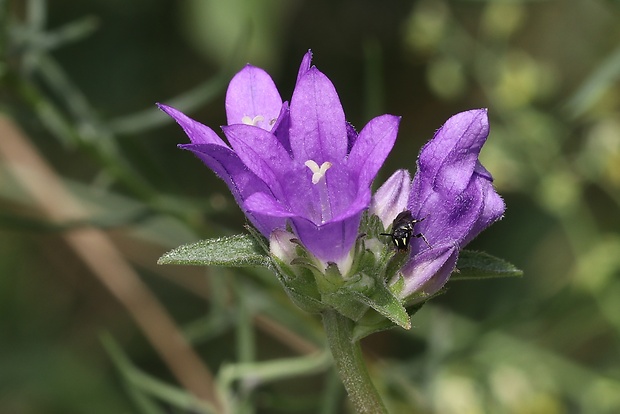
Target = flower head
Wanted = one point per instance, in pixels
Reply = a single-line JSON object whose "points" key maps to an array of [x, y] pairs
{"points": [[454, 194], [301, 163]]}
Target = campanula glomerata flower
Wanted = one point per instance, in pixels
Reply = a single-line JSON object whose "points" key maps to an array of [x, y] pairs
{"points": [[300, 163], [452, 192]]}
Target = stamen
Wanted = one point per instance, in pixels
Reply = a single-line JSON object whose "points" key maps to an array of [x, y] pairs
{"points": [[318, 174], [249, 121]]}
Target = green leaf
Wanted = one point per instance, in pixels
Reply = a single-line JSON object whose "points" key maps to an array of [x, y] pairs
{"points": [[373, 322], [479, 265], [389, 306], [240, 250], [346, 302], [384, 302]]}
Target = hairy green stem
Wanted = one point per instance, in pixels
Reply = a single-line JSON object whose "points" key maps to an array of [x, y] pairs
{"points": [[350, 364]]}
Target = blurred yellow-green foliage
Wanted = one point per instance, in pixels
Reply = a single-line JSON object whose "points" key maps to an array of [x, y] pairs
{"points": [[78, 83]]}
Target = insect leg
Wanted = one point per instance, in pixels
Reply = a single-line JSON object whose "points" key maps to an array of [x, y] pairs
{"points": [[420, 235]]}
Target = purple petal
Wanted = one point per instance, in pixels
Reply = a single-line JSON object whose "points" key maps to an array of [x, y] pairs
{"points": [[197, 132], [391, 198], [372, 147], [428, 271], [342, 188], [322, 202], [241, 182], [282, 126], [493, 210], [263, 203], [331, 242], [306, 63], [355, 206], [302, 197], [253, 97], [227, 165], [483, 172], [261, 152], [318, 126], [448, 160], [224, 163], [448, 219], [351, 137]]}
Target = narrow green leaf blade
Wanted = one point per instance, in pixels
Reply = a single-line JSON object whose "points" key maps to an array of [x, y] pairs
{"points": [[240, 250], [479, 265]]}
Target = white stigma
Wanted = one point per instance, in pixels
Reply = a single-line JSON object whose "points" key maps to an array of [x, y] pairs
{"points": [[317, 172], [252, 121], [318, 177]]}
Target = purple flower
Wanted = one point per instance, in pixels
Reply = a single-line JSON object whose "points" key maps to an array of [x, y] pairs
{"points": [[391, 198], [302, 163], [454, 194]]}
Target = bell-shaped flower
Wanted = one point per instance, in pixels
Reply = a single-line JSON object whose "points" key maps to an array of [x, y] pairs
{"points": [[392, 197], [301, 163], [454, 194]]}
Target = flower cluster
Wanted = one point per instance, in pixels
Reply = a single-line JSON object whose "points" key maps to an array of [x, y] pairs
{"points": [[454, 195], [301, 168], [300, 162]]}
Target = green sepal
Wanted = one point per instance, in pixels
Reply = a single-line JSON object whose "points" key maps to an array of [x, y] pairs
{"points": [[371, 226], [474, 265], [345, 299], [258, 238], [346, 304], [299, 284], [385, 303], [395, 260], [398, 286], [302, 290], [302, 296], [240, 250], [362, 292], [373, 322]]}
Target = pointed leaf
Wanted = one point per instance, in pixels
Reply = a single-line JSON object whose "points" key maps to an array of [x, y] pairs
{"points": [[384, 302], [240, 250], [479, 265], [373, 322], [346, 303]]}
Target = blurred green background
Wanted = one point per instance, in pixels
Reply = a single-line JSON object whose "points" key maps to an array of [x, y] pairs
{"points": [[78, 83]]}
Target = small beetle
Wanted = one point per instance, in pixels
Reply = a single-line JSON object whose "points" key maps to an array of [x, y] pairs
{"points": [[402, 230]]}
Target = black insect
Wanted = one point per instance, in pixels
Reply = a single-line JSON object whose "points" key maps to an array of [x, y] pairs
{"points": [[402, 230]]}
